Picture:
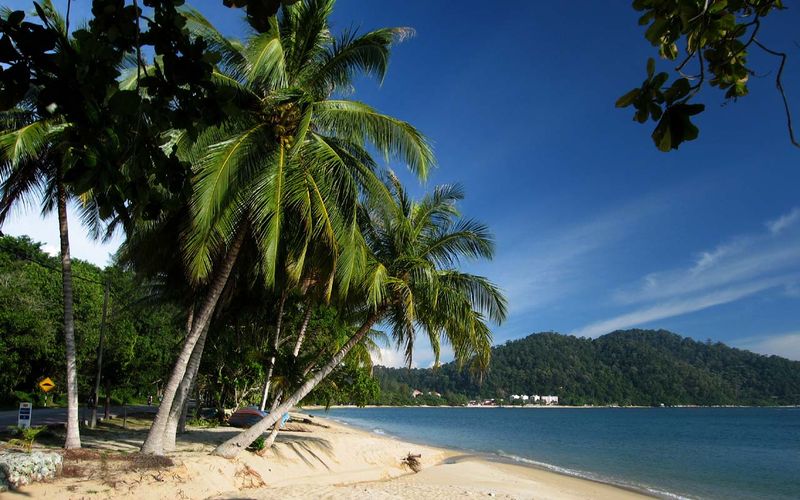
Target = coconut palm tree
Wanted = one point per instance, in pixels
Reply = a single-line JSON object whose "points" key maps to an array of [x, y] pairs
{"points": [[34, 155], [413, 286], [286, 169]]}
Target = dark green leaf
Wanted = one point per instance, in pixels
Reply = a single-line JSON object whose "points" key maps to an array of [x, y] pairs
{"points": [[628, 98]]}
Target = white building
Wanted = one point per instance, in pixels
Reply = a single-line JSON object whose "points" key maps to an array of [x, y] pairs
{"points": [[550, 400], [524, 398]]}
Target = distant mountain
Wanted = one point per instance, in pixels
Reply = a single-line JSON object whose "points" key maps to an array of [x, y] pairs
{"points": [[631, 367]]}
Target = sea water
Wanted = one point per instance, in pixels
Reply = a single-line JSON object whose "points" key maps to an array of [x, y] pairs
{"points": [[720, 453]]}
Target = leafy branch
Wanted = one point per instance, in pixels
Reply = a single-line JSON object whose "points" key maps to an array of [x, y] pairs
{"points": [[717, 34]]}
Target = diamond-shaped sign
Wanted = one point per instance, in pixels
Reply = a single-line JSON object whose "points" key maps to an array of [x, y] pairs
{"points": [[46, 384]]}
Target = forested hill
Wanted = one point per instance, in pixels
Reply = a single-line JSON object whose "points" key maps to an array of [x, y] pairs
{"points": [[632, 367]]}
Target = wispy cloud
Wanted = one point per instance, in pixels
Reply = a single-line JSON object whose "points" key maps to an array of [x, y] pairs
{"points": [[677, 307], [786, 345], [784, 221], [740, 267], [542, 268]]}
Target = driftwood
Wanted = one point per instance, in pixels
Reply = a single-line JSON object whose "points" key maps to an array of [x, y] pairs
{"points": [[412, 462]]}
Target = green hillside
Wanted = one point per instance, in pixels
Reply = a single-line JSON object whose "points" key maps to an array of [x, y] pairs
{"points": [[632, 367]]}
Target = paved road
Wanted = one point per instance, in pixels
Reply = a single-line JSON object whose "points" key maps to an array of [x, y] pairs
{"points": [[42, 416]]}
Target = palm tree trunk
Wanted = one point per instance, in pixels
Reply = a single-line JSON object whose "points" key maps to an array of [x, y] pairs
{"points": [[73, 431], [275, 341], [107, 408], [233, 446], [301, 336], [154, 444], [279, 396], [185, 408], [276, 426], [182, 419], [296, 352], [182, 396], [96, 396]]}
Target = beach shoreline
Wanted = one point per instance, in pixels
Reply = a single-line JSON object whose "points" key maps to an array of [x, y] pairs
{"points": [[322, 458]]}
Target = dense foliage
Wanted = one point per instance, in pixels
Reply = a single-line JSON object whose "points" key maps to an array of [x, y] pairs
{"points": [[140, 336], [633, 367]]}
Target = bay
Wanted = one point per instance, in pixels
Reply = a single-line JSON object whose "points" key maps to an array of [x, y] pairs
{"points": [[717, 453]]}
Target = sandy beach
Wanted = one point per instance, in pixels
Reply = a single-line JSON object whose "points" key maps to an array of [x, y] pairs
{"points": [[321, 459]]}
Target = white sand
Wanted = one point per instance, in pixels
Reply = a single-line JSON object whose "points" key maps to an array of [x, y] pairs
{"points": [[334, 461]]}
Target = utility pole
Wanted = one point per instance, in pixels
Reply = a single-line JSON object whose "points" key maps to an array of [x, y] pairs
{"points": [[93, 421]]}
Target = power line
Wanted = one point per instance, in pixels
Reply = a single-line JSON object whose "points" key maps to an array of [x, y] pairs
{"points": [[22, 256]]}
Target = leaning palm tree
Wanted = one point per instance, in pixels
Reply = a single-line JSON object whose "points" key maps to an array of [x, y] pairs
{"points": [[413, 285], [34, 156], [286, 170]]}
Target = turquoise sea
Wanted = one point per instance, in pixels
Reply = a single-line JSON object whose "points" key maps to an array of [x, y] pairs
{"points": [[721, 453]]}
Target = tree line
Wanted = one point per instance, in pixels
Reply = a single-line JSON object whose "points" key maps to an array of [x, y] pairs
{"points": [[249, 194], [633, 367], [254, 197]]}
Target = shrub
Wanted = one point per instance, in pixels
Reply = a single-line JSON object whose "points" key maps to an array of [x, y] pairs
{"points": [[257, 445], [27, 436], [202, 422]]}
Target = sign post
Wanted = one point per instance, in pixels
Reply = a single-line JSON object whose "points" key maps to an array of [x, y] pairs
{"points": [[24, 418]]}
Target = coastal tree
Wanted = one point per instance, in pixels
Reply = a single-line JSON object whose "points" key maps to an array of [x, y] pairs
{"points": [[284, 173], [412, 286], [35, 156]]}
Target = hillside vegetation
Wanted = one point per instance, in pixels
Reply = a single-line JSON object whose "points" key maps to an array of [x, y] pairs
{"points": [[633, 367]]}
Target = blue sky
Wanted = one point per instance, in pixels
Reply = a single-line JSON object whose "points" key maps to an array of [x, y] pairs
{"points": [[596, 230]]}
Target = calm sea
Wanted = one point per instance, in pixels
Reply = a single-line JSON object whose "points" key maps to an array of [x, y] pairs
{"points": [[720, 453]]}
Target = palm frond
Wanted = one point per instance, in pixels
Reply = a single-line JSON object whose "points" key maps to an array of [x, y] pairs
{"points": [[359, 123]]}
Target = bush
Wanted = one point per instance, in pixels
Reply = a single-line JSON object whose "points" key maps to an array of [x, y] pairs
{"points": [[202, 422], [257, 445], [27, 436]]}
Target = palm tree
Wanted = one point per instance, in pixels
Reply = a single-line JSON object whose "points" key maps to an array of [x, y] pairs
{"points": [[413, 286], [285, 170], [34, 155]]}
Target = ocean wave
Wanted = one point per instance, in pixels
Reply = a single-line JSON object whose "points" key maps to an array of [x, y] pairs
{"points": [[379, 431], [592, 477]]}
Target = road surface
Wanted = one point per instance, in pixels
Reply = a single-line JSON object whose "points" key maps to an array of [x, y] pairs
{"points": [[48, 416]]}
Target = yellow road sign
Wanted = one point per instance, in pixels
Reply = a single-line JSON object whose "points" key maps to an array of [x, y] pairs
{"points": [[46, 384]]}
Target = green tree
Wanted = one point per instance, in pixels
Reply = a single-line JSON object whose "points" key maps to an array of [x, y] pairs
{"points": [[35, 155], [284, 173], [413, 285]]}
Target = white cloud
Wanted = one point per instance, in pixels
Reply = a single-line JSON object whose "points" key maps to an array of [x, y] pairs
{"points": [[543, 268], [784, 221], [45, 230], [50, 250], [786, 345], [675, 308], [738, 268], [422, 357], [390, 356]]}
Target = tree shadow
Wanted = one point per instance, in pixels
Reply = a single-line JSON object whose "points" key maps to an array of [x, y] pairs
{"points": [[304, 447]]}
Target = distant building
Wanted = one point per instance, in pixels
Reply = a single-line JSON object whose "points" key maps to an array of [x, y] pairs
{"points": [[550, 400], [416, 393], [434, 393], [515, 396], [524, 398], [536, 398]]}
